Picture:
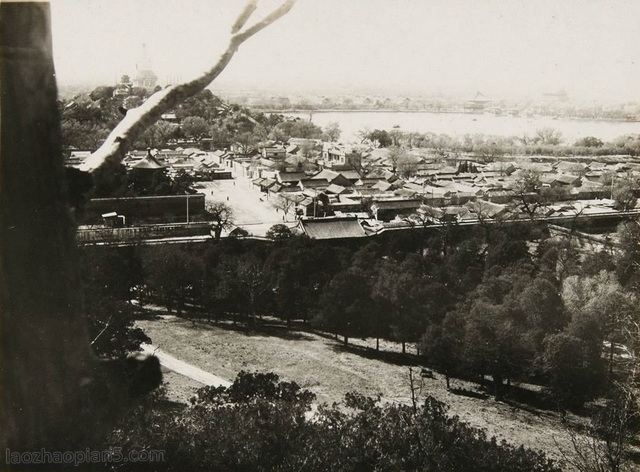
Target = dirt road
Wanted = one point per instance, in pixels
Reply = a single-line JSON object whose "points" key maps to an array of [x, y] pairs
{"points": [[182, 368], [253, 210]]}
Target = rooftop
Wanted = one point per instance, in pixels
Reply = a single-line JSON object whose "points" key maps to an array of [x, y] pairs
{"points": [[332, 228]]}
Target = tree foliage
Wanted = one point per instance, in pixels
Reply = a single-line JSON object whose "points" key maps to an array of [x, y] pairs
{"points": [[260, 423], [109, 276], [497, 314], [194, 126], [279, 232], [589, 141], [296, 128], [221, 215], [380, 138], [174, 275], [396, 155], [332, 131], [624, 193], [572, 369]]}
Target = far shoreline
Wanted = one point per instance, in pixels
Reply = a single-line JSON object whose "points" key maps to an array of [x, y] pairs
{"points": [[456, 112]]}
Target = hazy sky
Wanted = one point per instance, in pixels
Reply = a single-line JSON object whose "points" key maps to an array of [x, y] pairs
{"points": [[503, 48]]}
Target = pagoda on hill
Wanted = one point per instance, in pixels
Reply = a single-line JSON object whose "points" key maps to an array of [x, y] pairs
{"points": [[145, 77]]}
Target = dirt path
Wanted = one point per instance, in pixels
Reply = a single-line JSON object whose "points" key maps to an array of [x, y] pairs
{"points": [[182, 368]]}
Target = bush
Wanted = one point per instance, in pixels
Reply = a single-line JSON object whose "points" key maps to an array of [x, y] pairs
{"points": [[262, 424], [279, 232]]}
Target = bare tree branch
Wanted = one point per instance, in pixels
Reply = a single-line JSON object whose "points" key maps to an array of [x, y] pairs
{"points": [[244, 16], [106, 326], [266, 21], [139, 119]]}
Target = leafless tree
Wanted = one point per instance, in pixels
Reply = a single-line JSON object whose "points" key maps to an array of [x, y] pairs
{"points": [[395, 156], [489, 152], [332, 131], [548, 135], [416, 384], [363, 134], [411, 138], [604, 445], [284, 203]]}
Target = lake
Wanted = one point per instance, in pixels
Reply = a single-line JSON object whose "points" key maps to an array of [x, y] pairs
{"points": [[459, 124]]}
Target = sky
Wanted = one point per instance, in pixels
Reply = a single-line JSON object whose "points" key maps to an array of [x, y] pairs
{"points": [[503, 48]]}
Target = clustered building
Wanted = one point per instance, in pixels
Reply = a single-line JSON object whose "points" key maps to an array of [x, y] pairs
{"points": [[357, 184]]}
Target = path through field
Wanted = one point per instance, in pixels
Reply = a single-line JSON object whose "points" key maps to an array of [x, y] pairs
{"points": [[182, 368]]}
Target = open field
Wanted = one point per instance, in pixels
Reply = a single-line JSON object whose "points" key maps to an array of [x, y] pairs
{"points": [[330, 370]]}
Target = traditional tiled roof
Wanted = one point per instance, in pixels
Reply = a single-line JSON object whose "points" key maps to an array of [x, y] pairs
{"points": [[314, 183], [367, 181], [149, 162], [564, 179], [325, 174], [350, 174], [382, 185], [335, 189], [488, 209], [332, 228], [396, 204], [573, 167], [266, 183], [411, 186], [291, 177], [305, 202]]}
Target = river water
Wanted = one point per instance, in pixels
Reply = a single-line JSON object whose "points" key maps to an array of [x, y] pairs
{"points": [[459, 124]]}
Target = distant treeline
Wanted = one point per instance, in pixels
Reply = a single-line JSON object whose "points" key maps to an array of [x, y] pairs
{"points": [[487, 148]]}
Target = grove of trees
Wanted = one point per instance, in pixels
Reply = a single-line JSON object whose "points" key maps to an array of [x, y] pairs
{"points": [[505, 315], [499, 314]]}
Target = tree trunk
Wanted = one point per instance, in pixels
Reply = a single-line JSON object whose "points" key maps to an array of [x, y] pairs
{"points": [[377, 343], [346, 340], [41, 330], [404, 347], [497, 386], [54, 392]]}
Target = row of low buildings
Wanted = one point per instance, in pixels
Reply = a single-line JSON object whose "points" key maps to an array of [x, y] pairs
{"points": [[315, 179]]}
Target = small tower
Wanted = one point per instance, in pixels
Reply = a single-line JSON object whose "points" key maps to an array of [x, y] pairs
{"points": [[145, 77]]}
